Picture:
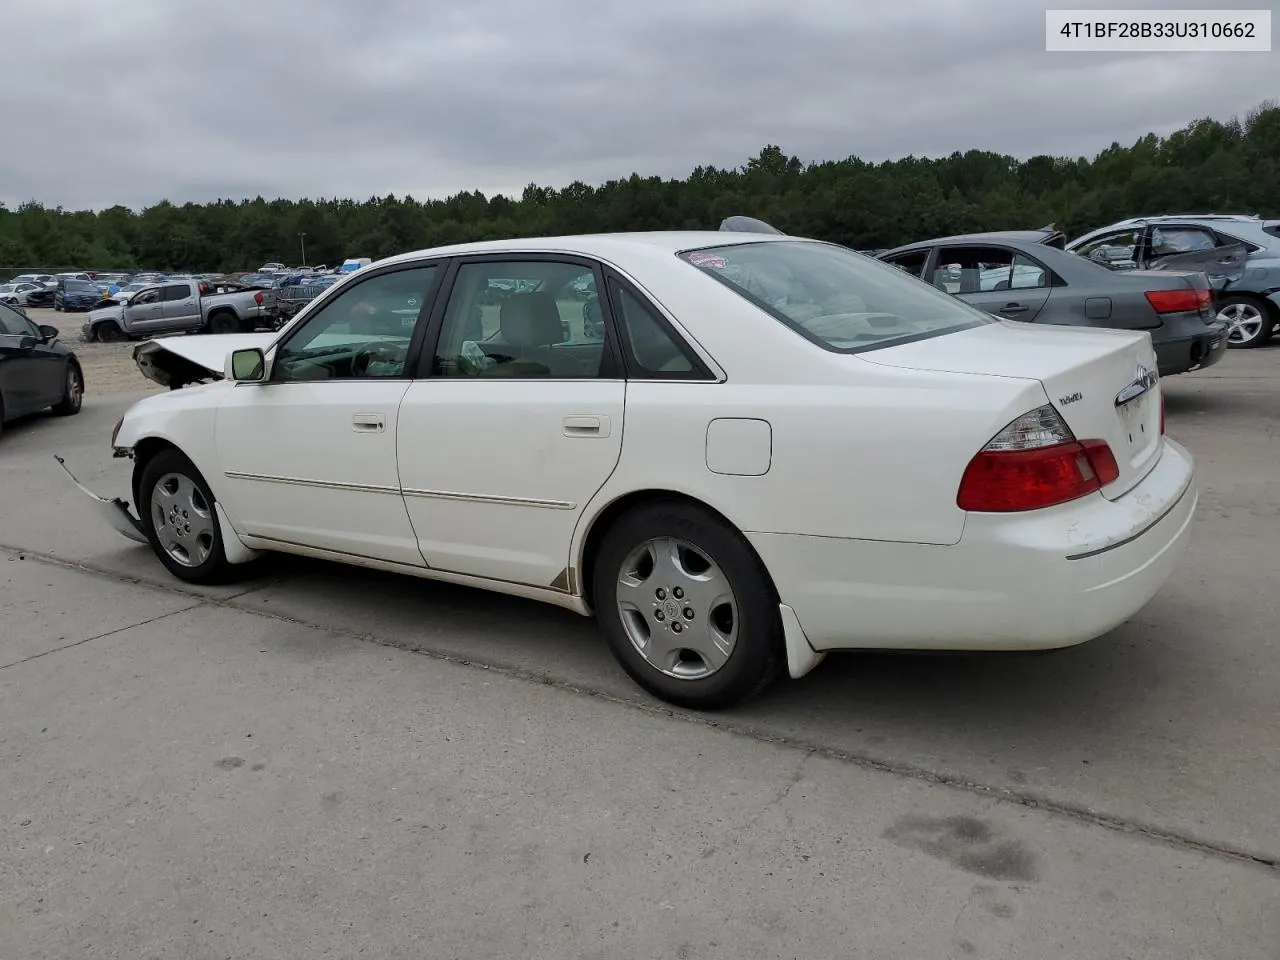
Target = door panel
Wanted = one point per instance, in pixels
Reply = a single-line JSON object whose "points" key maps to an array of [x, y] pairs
{"points": [[519, 424], [310, 456], [315, 464], [19, 377], [497, 472], [180, 307]]}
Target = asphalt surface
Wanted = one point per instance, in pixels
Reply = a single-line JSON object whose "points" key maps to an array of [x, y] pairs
{"points": [[326, 761]]}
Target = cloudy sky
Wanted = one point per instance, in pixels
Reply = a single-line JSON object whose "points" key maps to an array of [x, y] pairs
{"points": [[135, 101]]}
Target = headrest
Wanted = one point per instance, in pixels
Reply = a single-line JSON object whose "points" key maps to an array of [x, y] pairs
{"points": [[530, 320]]}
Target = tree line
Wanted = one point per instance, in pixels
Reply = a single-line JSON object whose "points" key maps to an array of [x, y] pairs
{"points": [[1207, 166]]}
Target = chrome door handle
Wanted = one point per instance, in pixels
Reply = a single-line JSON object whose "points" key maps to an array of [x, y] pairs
{"points": [[586, 426], [368, 423]]}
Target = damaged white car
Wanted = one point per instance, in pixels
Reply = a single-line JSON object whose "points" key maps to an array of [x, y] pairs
{"points": [[738, 451]]}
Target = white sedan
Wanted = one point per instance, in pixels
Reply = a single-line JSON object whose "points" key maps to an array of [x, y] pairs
{"points": [[773, 448]]}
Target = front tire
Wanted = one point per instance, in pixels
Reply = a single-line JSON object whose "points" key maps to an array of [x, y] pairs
{"points": [[1251, 322], [176, 507], [109, 332], [686, 606], [72, 393]]}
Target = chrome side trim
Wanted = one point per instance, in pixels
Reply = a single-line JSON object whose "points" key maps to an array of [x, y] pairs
{"points": [[427, 494], [486, 498], [302, 482]]}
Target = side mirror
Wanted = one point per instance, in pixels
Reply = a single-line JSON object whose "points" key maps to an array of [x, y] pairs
{"points": [[246, 366], [49, 333]]}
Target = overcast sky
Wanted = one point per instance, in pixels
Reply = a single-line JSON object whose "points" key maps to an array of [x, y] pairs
{"points": [[135, 101]]}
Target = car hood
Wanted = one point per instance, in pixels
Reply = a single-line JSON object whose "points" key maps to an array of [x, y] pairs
{"points": [[174, 361]]}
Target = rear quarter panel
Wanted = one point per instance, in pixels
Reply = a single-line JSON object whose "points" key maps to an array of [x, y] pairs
{"points": [[875, 454]]}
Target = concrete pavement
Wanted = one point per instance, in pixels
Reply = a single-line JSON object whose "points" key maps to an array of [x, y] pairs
{"points": [[1112, 800]]}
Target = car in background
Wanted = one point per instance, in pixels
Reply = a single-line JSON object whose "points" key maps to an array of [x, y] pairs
{"points": [[37, 371], [123, 293], [20, 294], [352, 264], [74, 295], [44, 279], [1239, 252], [1027, 276], [820, 452]]}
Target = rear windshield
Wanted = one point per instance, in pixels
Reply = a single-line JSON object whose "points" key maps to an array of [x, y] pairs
{"points": [[841, 300]]}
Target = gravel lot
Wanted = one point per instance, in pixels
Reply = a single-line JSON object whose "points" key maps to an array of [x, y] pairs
{"points": [[328, 761], [108, 367]]}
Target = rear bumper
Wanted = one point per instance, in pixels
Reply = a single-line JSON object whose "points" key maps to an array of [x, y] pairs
{"points": [[1051, 579], [1200, 346]]}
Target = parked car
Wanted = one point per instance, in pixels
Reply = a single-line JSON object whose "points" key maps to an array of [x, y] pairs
{"points": [[127, 290], [820, 453], [74, 294], [37, 371], [44, 279], [181, 306], [1025, 275], [20, 294], [1241, 252]]}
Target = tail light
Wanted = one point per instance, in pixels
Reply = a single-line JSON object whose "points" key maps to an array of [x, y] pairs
{"points": [[1035, 462], [257, 298], [1179, 301]]}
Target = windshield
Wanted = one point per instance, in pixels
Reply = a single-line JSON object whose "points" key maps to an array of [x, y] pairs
{"points": [[839, 299]]}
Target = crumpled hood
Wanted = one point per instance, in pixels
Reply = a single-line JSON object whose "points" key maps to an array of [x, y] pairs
{"points": [[176, 361]]}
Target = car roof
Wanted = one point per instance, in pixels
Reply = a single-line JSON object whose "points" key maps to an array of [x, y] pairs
{"points": [[600, 244], [1032, 238]]}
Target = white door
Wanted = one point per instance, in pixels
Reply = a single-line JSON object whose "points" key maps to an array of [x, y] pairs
{"points": [[517, 426], [309, 457]]}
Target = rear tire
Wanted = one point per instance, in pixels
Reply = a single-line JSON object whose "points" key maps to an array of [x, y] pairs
{"points": [[177, 511], [224, 323], [686, 606], [72, 393], [1252, 320]]}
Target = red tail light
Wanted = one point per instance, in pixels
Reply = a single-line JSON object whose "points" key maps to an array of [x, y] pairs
{"points": [[257, 298], [1035, 462], [1178, 301]]}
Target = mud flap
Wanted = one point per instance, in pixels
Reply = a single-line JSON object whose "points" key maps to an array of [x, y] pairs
{"points": [[115, 511]]}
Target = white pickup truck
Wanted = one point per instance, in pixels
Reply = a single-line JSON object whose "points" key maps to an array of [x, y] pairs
{"points": [[183, 306]]}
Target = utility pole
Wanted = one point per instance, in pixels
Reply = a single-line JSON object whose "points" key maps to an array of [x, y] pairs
{"points": [[302, 239]]}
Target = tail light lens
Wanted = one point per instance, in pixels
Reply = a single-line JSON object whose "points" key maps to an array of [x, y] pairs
{"points": [[1179, 301], [1035, 462], [257, 298]]}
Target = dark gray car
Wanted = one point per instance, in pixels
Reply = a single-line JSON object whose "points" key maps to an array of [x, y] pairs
{"points": [[1026, 275], [1240, 253]]}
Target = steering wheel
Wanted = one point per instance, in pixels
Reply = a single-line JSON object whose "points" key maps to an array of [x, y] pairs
{"points": [[388, 353]]}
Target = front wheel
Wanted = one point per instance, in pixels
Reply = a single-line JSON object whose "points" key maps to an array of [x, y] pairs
{"points": [[686, 606], [72, 393], [110, 332], [176, 507], [1251, 322]]}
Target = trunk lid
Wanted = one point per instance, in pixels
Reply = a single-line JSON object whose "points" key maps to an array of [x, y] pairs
{"points": [[1102, 382]]}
